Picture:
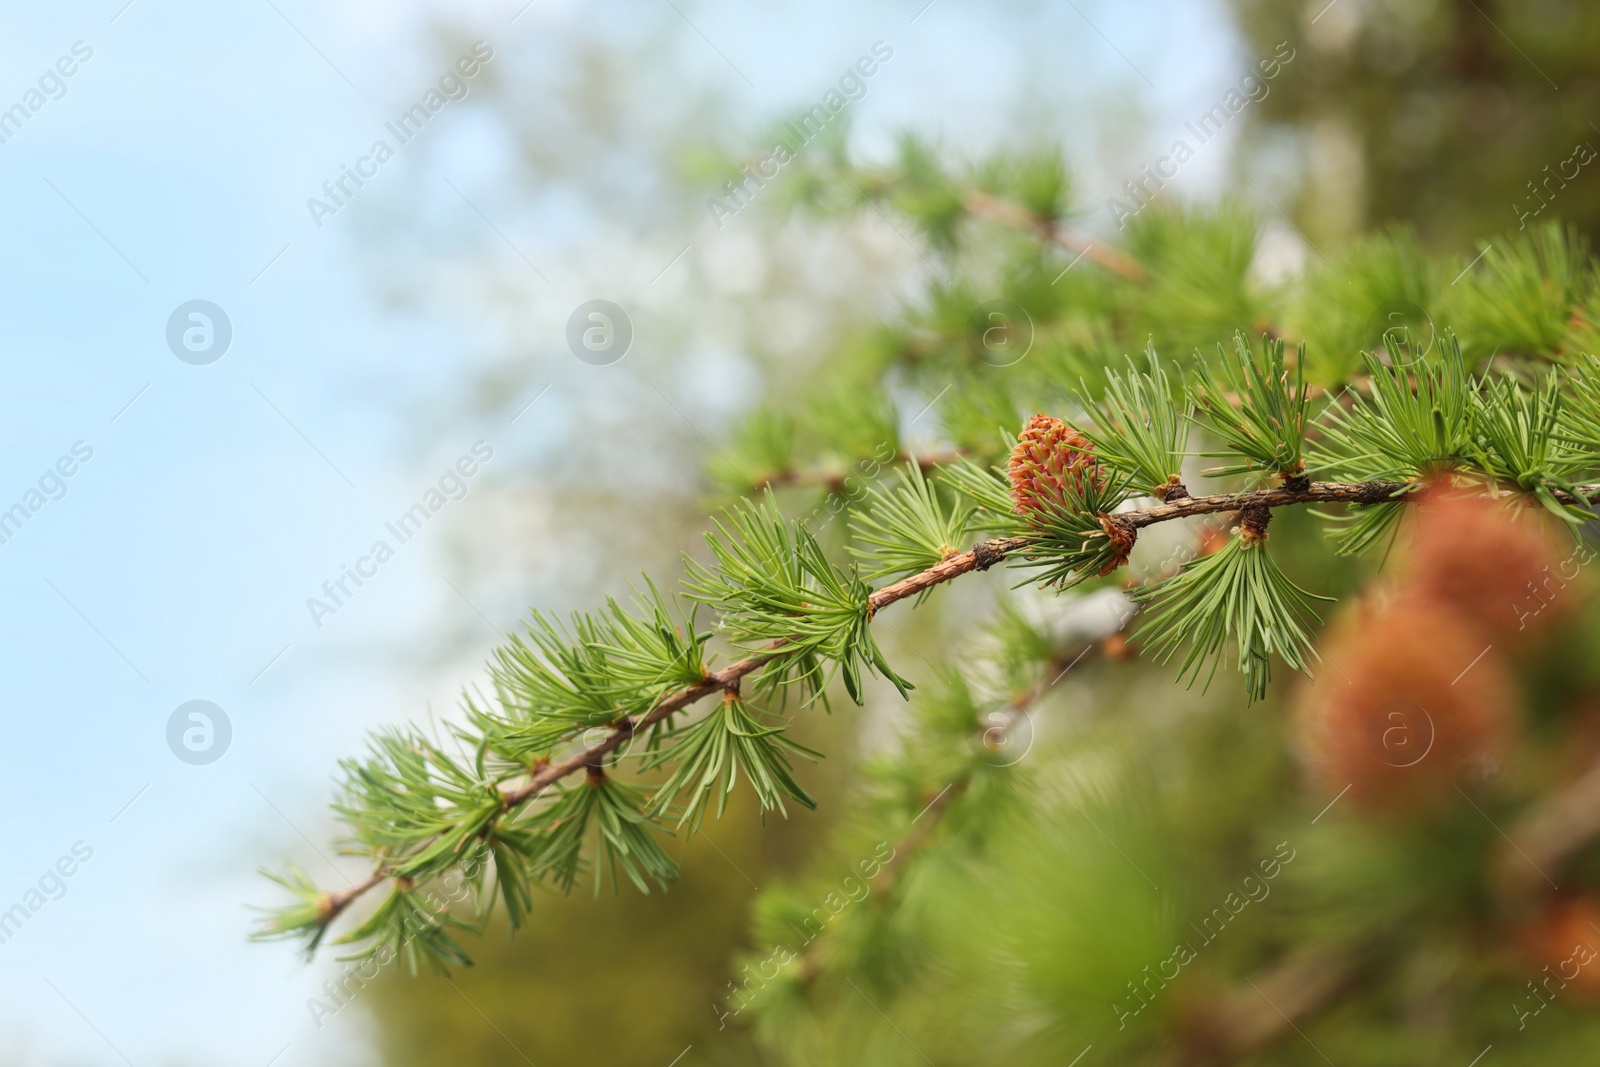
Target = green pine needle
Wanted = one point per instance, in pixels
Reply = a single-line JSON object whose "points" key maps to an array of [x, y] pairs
{"points": [[1363, 527], [1518, 440], [771, 582], [1257, 407], [1236, 598], [623, 832], [1140, 428], [712, 753], [990, 494], [305, 919], [761, 451], [1416, 421], [1579, 426], [562, 680], [410, 925], [414, 804], [1522, 297], [907, 527]]}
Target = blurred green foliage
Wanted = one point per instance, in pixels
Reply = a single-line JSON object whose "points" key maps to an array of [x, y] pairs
{"points": [[1446, 115]]}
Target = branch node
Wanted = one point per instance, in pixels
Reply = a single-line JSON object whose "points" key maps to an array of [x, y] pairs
{"points": [[986, 554], [1122, 533], [1173, 490], [1253, 523], [1376, 493], [509, 800]]}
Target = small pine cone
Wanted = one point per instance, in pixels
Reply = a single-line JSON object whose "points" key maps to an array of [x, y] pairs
{"points": [[1500, 566], [1050, 456], [1410, 706]]}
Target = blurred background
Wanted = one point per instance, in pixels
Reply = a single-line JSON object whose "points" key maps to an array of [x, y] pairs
{"points": [[382, 331]]}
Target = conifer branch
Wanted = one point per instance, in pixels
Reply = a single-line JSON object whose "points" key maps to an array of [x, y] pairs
{"points": [[1290, 493], [978, 558], [1015, 708], [334, 901]]}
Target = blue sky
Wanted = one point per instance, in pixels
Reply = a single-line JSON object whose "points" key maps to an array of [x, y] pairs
{"points": [[176, 167]]}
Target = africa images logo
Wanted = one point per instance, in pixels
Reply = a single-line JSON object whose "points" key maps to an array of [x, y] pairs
{"points": [[199, 332], [199, 732], [1210, 123]]}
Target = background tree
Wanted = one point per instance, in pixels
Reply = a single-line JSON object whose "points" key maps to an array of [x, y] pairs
{"points": [[1388, 99]]}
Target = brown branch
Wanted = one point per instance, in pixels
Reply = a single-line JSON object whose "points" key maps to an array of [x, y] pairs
{"points": [[978, 558], [1277, 497], [992, 208], [336, 900]]}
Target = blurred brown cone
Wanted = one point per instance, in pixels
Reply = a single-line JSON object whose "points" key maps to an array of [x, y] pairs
{"points": [[1563, 946], [1497, 563], [1412, 706]]}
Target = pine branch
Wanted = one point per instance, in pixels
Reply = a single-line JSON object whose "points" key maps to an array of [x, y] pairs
{"points": [[934, 804], [1280, 496], [979, 558], [1015, 708], [907, 527]]}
